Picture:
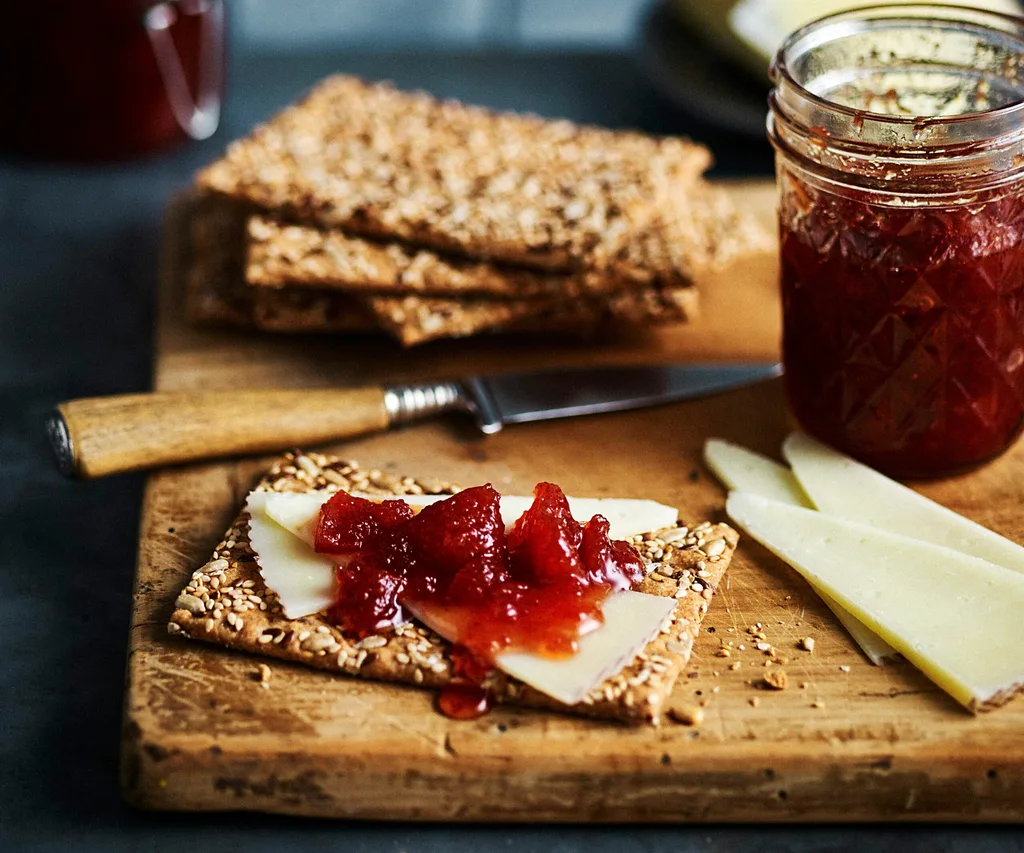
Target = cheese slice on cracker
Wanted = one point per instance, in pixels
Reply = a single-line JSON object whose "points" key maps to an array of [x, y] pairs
{"points": [[282, 529]]}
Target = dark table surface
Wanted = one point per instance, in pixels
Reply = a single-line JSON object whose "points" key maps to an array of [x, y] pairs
{"points": [[78, 261]]}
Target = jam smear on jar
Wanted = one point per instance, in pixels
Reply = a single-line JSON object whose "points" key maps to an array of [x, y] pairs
{"points": [[903, 326], [537, 589]]}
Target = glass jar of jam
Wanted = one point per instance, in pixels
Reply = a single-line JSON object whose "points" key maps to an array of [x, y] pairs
{"points": [[899, 139], [90, 80]]}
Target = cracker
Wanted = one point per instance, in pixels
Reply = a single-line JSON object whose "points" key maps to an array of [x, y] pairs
{"points": [[403, 166], [704, 231], [416, 319], [216, 291], [283, 255], [226, 602]]}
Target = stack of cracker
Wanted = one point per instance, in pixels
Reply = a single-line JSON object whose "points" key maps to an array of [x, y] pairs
{"points": [[363, 208]]}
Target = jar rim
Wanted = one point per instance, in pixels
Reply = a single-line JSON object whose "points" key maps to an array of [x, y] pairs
{"points": [[780, 70]]}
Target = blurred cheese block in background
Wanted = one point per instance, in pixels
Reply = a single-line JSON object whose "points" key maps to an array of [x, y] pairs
{"points": [[750, 31]]}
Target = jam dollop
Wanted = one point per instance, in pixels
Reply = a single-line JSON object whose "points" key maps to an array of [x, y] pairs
{"points": [[903, 326], [537, 589]]}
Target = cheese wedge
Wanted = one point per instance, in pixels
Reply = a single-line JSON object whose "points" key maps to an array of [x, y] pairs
{"points": [[302, 579], [843, 487], [631, 621], [743, 470], [956, 617]]}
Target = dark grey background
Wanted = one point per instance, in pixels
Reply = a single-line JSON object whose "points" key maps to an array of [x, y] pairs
{"points": [[78, 260]]}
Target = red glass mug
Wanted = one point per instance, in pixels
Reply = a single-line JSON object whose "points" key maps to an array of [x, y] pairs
{"points": [[109, 79]]}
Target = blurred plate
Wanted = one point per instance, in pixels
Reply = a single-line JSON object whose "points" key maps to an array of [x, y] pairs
{"points": [[693, 76]]}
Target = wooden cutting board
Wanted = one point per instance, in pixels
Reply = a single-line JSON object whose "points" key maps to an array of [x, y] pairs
{"points": [[846, 741]]}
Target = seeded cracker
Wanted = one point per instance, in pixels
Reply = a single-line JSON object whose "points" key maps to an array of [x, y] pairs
{"points": [[226, 602], [416, 319], [216, 292], [394, 165], [703, 231]]}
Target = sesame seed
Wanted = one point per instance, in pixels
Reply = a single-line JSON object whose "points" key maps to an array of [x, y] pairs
{"points": [[686, 715]]}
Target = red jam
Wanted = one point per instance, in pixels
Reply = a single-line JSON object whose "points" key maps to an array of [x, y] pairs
{"points": [[536, 590], [464, 701], [903, 327]]}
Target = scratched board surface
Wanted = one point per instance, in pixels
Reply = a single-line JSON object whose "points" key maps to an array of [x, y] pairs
{"points": [[844, 741]]}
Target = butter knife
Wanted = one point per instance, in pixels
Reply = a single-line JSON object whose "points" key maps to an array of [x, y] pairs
{"points": [[97, 436]]}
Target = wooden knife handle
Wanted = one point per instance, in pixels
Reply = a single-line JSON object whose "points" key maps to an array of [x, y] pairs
{"points": [[97, 436]]}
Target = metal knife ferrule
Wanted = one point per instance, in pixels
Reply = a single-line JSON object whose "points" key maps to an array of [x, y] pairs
{"points": [[406, 403]]}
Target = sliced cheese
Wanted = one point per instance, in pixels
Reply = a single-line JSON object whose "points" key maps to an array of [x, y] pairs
{"points": [[302, 579], [843, 487], [297, 511], [631, 621], [626, 516], [743, 470], [281, 529], [956, 617]]}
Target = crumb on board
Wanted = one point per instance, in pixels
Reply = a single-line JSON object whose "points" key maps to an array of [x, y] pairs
{"points": [[776, 679], [807, 644]]}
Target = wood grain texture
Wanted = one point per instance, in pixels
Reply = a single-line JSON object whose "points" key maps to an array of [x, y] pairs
{"points": [[111, 435], [866, 744]]}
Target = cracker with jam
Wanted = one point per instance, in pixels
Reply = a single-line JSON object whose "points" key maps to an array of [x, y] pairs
{"points": [[328, 566]]}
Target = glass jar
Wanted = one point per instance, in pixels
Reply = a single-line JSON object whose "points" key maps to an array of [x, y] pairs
{"points": [[899, 139], [109, 79]]}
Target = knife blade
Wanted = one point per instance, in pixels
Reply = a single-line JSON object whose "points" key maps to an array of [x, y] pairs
{"points": [[544, 395], [97, 436]]}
